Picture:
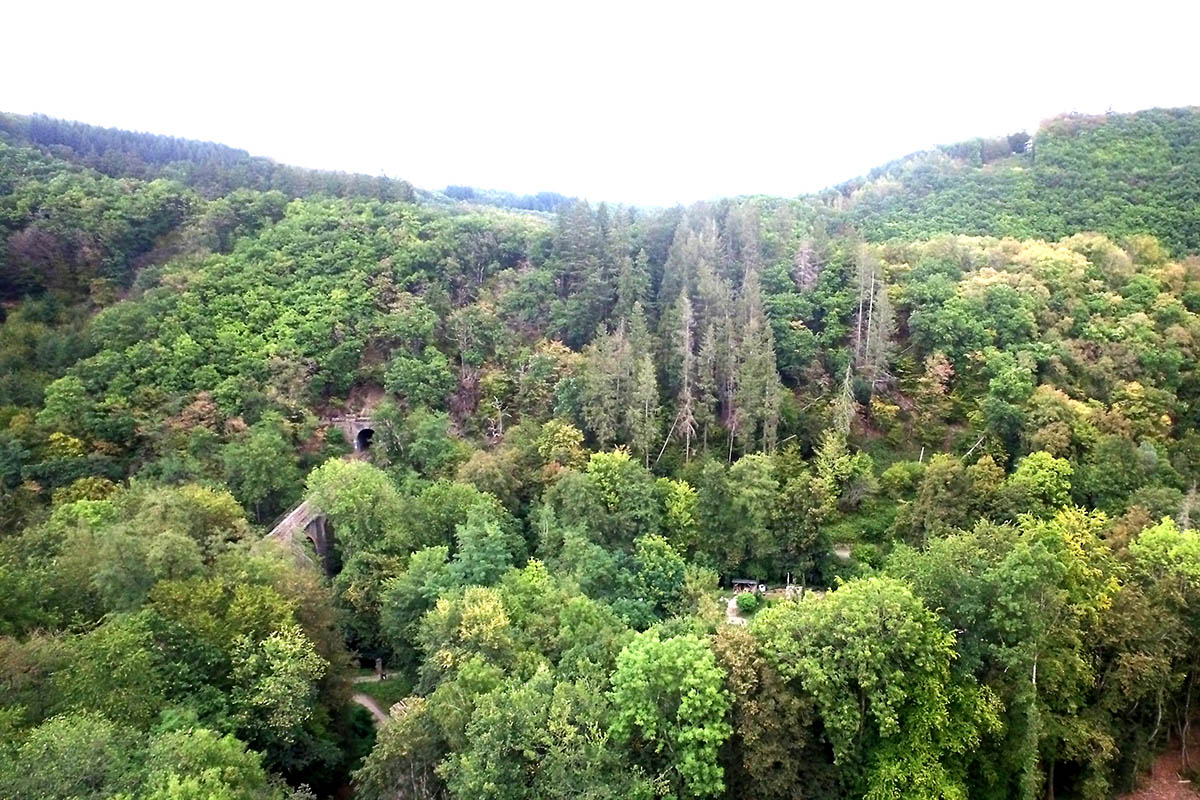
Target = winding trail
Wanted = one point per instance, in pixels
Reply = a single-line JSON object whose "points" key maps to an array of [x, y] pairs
{"points": [[732, 616], [368, 702], [1163, 781]]}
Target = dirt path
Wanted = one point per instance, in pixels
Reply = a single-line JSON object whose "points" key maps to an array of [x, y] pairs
{"points": [[368, 702], [1163, 782], [732, 616]]}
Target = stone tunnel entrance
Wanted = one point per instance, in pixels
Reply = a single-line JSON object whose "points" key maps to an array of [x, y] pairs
{"points": [[362, 441]]}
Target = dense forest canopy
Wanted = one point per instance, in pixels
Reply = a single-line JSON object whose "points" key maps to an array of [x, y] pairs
{"points": [[947, 413]]}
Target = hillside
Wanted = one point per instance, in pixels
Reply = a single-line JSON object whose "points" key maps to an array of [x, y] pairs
{"points": [[957, 398], [1120, 174]]}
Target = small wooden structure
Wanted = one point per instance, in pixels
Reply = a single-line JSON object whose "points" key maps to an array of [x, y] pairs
{"points": [[740, 585]]}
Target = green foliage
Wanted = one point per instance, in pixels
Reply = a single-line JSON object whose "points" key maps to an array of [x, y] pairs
{"points": [[80, 755], [668, 696], [877, 664], [660, 572], [1121, 174], [582, 422], [748, 602], [1045, 482]]}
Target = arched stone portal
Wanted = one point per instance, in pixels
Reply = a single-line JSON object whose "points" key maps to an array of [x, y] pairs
{"points": [[356, 428], [320, 533]]}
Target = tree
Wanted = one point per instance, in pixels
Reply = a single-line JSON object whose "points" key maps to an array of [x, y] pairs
{"points": [[485, 550], [561, 443], [81, 755], [753, 495], [404, 757], [881, 327], [633, 283], [423, 381], [1166, 561], [670, 704], [201, 763], [659, 572], [1044, 482], [685, 414], [609, 368], [539, 739], [66, 407], [642, 414], [407, 596], [706, 383], [757, 384], [261, 467], [274, 697], [117, 671], [464, 626], [1031, 603], [775, 749], [876, 663], [360, 499], [842, 479]]}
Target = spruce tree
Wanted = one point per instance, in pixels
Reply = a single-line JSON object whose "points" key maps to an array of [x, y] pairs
{"points": [[642, 413], [685, 416]]}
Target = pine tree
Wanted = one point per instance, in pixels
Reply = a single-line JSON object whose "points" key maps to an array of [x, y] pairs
{"points": [[845, 407], [758, 380], [696, 248], [806, 270], [607, 376], [633, 282], [642, 414], [749, 239], [685, 417], [880, 330], [638, 332], [727, 380], [864, 280], [706, 383]]}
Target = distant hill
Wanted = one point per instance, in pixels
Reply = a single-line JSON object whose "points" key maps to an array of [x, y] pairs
{"points": [[549, 202], [1119, 174], [213, 170]]}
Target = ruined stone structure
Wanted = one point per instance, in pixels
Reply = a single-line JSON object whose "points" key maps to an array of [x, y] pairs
{"points": [[306, 518], [309, 521], [357, 428]]}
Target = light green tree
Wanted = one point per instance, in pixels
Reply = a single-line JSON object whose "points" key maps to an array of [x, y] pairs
{"points": [[670, 704]]}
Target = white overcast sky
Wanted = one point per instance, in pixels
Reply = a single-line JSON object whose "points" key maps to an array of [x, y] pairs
{"points": [[643, 102]]}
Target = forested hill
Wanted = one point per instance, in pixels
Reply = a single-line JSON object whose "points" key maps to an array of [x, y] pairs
{"points": [[981, 452], [212, 170], [1120, 174]]}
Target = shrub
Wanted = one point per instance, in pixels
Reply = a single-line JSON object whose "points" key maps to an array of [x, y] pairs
{"points": [[748, 602]]}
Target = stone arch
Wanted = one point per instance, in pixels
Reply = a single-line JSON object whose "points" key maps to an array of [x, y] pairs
{"points": [[362, 439], [320, 533]]}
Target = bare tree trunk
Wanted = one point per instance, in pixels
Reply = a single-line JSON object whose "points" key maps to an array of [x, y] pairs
{"points": [[1185, 513]]}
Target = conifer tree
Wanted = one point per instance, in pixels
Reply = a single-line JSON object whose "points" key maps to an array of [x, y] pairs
{"points": [[638, 333], [757, 385], [606, 379], [633, 282], [865, 268], [880, 330], [845, 407], [805, 269], [685, 417], [642, 414], [706, 383]]}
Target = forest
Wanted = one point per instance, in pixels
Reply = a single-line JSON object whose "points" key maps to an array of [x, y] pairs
{"points": [[944, 414]]}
